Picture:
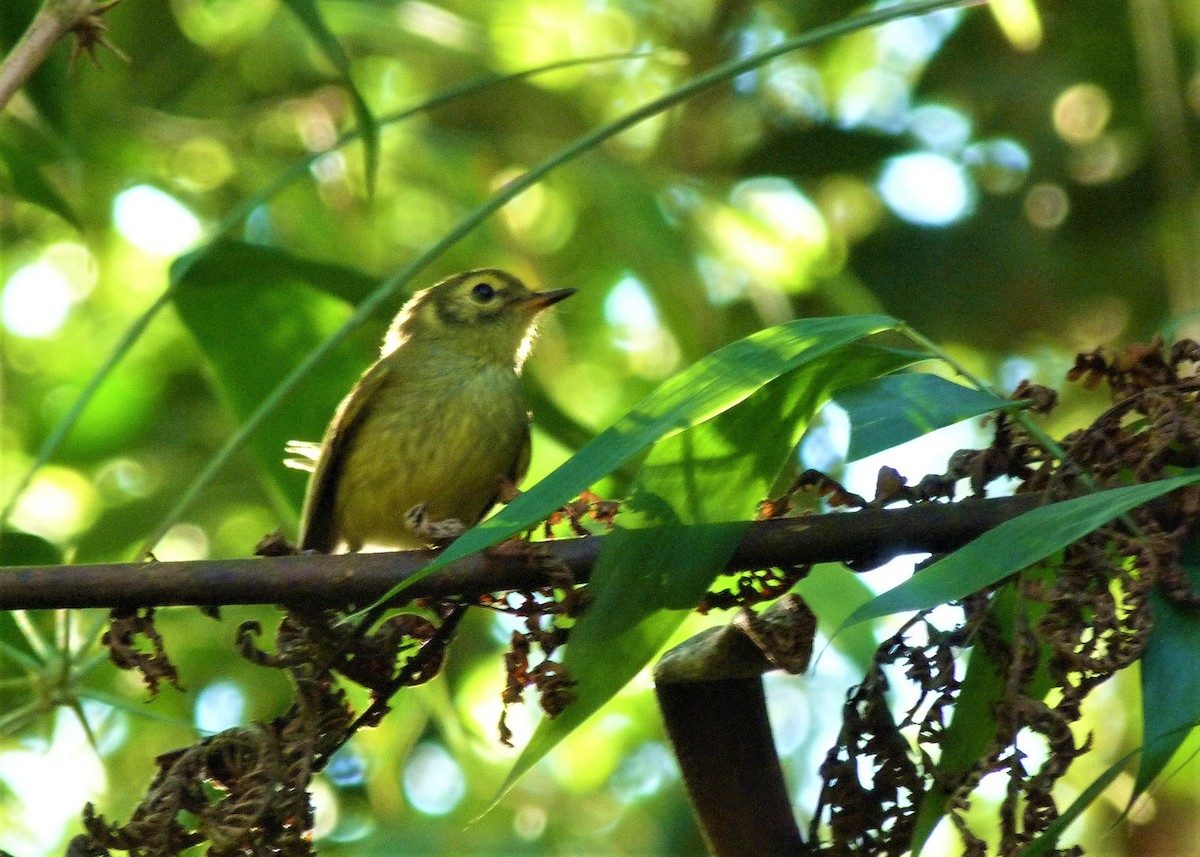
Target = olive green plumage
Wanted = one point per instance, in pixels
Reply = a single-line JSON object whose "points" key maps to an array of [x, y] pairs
{"points": [[423, 443]]}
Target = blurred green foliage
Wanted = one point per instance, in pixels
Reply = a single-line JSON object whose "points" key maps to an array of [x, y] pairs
{"points": [[1014, 181]]}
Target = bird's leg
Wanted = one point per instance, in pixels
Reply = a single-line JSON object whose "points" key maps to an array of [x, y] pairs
{"points": [[506, 490], [417, 519]]}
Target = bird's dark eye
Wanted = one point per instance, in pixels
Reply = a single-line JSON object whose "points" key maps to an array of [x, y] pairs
{"points": [[483, 292]]}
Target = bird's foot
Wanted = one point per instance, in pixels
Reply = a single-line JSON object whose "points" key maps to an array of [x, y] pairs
{"points": [[437, 532], [507, 490]]}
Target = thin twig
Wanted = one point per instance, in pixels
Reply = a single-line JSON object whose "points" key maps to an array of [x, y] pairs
{"points": [[54, 20]]}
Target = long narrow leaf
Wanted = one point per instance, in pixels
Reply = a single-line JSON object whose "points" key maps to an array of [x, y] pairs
{"points": [[1170, 676], [310, 16], [1012, 546], [1047, 841], [886, 412], [693, 499], [707, 388]]}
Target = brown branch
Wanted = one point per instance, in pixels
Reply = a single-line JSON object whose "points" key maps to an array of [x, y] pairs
{"points": [[863, 538], [54, 20]]}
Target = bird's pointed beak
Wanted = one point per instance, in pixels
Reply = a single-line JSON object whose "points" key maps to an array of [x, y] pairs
{"points": [[540, 300]]}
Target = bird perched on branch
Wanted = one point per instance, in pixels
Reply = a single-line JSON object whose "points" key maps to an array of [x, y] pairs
{"points": [[436, 430]]}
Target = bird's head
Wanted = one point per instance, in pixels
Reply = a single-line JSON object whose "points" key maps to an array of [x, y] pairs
{"points": [[487, 313]]}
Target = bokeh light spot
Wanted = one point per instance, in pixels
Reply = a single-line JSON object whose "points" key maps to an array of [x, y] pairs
{"points": [[926, 188], [1047, 205], [438, 25], [1000, 166], [203, 163], [770, 230], [529, 821], [628, 308], [58, 504], [183, 542], [36, 301], [1081, 112], [939, 127], [652, 350], [644, 772], [347, 768], [876, 98], [154, 221], [220, 706], [48, 781], [434, 782], [222, 25], [1019, 21]]}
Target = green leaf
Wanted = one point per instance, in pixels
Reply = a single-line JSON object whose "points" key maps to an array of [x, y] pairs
{"points": [[886, 412], [280, 305], [694, 498], [833, 592], [1170, 675], [709, 387], [1012, 546], [19, 548], [368, 126]]}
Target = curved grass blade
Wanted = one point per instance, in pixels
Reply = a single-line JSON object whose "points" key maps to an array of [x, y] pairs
{"points": [[227, 225], [1047, 841], [368, 126], [1012, 546]]}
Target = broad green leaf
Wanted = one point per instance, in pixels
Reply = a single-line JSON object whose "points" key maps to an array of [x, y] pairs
{"points": [[1012, 546], [886, 412], [281, 305], [20, 548], [709, 387], [833, 592], [1170, 675], [368, 126], [694, 497]]}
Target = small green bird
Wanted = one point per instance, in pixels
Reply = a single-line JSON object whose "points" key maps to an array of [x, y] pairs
{"points": [[436, 428]]}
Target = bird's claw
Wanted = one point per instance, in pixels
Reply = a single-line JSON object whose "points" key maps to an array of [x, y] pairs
{"points": [[417, 519]]}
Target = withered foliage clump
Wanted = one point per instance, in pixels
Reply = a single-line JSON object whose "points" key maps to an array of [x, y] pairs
{"points": [[126, 629], [245, 790], [1081, 618]]}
